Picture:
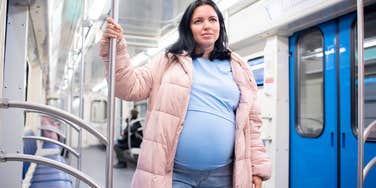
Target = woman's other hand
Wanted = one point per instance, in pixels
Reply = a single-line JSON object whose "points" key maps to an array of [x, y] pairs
{"points": [[111, 31], [257, 181]]}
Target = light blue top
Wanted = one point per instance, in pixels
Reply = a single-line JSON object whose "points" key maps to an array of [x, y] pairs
{"points": [[208, 136]]}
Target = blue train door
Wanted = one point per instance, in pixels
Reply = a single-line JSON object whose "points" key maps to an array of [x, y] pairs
{"points": [[348, 96], [323, 98], [313, 107]]}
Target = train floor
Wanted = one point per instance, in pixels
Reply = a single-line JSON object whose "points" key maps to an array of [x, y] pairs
{"points": [[93, 164]]}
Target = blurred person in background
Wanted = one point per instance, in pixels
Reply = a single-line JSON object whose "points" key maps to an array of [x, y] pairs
{"points": [[123, 144]]}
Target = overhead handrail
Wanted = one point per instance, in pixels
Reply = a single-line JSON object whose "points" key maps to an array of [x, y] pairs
{"points": [[4, 157], [111, 101], [60, 114], [70, 149]]}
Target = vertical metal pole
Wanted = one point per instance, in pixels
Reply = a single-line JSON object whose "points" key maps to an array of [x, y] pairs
{"points": [[3, 18], [14, 87], [82, 88], [121, 122], [360, 17], [70, 110], [111, 102]]}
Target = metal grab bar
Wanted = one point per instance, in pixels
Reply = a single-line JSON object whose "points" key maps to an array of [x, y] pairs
{"points": [[57, 118], [55, 130], [45, 161], [52, 141], [60, 114], [368, 167], [371, 163], [78, 153], [368, 130]]}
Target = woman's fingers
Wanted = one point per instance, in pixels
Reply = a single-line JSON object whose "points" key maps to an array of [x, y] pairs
{"points": [[112, 23], [111, 33], [112, 30]]}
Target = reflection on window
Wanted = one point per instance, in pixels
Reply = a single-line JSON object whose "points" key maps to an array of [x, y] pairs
{"points": [[369, 74], [309, 83], [98, 111]]}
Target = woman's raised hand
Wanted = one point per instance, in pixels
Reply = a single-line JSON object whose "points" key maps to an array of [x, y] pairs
{"points": [[111, 31]]}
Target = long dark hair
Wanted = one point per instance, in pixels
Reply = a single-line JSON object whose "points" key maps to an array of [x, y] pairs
{"points": [[186, 41]]}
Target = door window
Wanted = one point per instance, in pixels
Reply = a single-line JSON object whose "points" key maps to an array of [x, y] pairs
{"points": [[310, 82], [369, 74]]}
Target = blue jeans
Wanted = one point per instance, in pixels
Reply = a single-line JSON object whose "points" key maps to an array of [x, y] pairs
{"points": [[217, 178]]}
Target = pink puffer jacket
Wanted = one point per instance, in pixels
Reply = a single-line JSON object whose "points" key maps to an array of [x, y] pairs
{"points": [[166, 83]]}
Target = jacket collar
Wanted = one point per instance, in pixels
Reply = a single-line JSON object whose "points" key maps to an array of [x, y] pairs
{"points": [[186, 61], [183, 59]]}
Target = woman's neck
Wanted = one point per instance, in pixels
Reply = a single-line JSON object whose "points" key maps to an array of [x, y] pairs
{"points": [[205, 51]]}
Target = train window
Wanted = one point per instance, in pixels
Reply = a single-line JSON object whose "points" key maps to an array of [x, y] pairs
{"points": [[76, 105], [98, 111], [55, 102], [257, 67], [310, 84], [141, 107], [369, 74]]}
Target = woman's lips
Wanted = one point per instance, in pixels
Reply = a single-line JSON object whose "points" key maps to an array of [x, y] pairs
{"points": [[205, 35]]}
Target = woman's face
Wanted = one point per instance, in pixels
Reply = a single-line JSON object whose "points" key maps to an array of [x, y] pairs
{"points": [[205, 26]]}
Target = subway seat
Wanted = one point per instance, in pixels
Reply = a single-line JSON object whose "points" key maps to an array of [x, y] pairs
{"points": [[45, 176]]}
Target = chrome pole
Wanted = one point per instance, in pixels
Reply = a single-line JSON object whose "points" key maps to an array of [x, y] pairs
{"points": [[360, 21], [82, 88], [111, 102], [70, 110]]}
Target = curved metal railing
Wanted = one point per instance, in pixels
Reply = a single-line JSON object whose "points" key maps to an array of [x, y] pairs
{"points": [[371, 163], [70, 149], [55, 130], [55, 117], [49, 162], [60, 114]]}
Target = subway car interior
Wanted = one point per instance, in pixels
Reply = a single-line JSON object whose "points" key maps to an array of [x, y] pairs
{"points": [[313, 61]]}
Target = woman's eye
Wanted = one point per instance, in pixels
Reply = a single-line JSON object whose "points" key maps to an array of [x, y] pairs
{"points": [[213, 20], [197, 21]]}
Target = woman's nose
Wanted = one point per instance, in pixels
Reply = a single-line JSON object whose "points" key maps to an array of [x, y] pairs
{"points": [[206, 25]]}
